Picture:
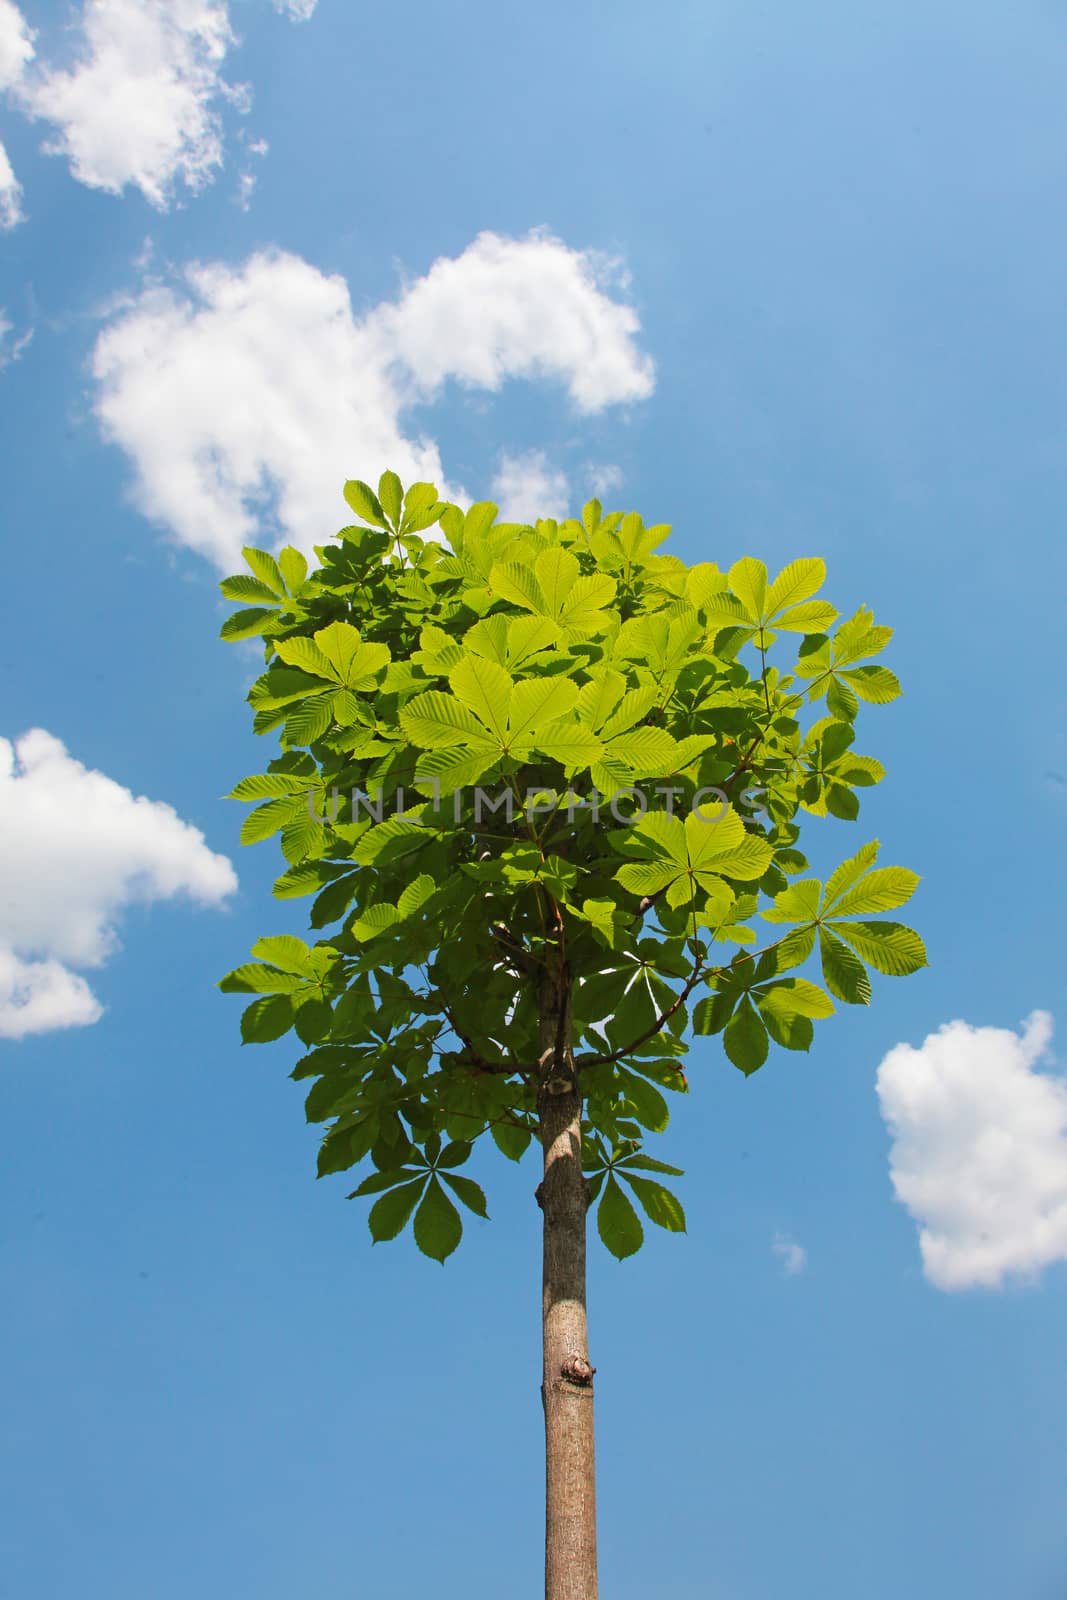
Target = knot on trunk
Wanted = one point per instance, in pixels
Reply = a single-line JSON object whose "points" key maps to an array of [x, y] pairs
{"points": [[558, 1084], [576, 1369]]}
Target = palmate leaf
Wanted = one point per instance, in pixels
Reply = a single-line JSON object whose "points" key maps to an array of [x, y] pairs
{"points": [[266, 570], [617, 1222], [745, 1038], [470, 1193], [796, 582], [365, 502], [884, 889], [390, 1215], [748, 580], [267, 1019], [265, 785], [438, 1225], [843, 971], [436, 721], [659, 1204], [243, 587], [888, 947], [247, 624]]}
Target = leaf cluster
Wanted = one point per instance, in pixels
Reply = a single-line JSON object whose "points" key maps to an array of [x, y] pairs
{"points": [[517, 748]]}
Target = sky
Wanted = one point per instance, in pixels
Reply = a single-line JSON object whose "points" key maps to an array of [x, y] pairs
{"points": [[788, 278]]}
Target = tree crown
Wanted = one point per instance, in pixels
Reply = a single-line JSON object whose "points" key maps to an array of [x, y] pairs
{"points": [[547, 748]]}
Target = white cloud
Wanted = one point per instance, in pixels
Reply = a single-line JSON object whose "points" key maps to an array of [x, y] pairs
{"points": [[41, 996], [16, 44], [140, 104], [526, 487], [793, 1256], [75, 848], [979, 1154], [10, 193], [248, 395], [510, 308]]}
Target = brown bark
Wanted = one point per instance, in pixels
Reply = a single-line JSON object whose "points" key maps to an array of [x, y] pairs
{"points": [[567, 1382]]}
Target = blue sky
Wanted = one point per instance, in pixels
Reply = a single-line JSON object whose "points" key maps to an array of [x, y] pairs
{"points": [[788, 278]]}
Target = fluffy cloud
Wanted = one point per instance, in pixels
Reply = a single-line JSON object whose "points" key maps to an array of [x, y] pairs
{"points": [[979, 1153], [75, 848], [142, 104], [793, 1256], [527, 487], [520, 308], [245, 397]]}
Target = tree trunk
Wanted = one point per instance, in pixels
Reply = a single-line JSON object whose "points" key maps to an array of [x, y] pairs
{"points": [[567, 1383]]}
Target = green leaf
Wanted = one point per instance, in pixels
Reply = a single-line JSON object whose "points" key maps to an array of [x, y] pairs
{"points": [[305, 654], [284, 950], [745, 1038], [798, 903], [568, 743], [841, 802], [643, 1163], [618, 1223], [648, 1105], [510, 1141], [888, 947], [246, 624], [391, 496], [875, 684], [485, 689], [436, 721], [469, 1192], [265, 785], [881, 890], [266, 1019], [242, 587], [294, 567], [438, 1225], [796, 582], [391, 1178], [659, 1204], [365, 503], [811, 617], [850, 871], [253, 979], [266, 570], [843, 971], [389, 1215], [374, 920], [748, 580], [800, 998]]}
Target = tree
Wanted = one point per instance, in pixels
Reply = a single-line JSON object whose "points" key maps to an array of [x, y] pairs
{"points": [[544, 804]]}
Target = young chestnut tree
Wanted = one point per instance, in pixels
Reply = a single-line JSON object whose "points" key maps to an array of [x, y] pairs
{"points": [[546, 786]]}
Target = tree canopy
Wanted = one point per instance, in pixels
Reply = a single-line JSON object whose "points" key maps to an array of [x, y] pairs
{"points": [[535, 744]]}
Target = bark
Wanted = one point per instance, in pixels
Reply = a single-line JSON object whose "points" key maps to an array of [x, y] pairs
{"points": [[567, 1383]]}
